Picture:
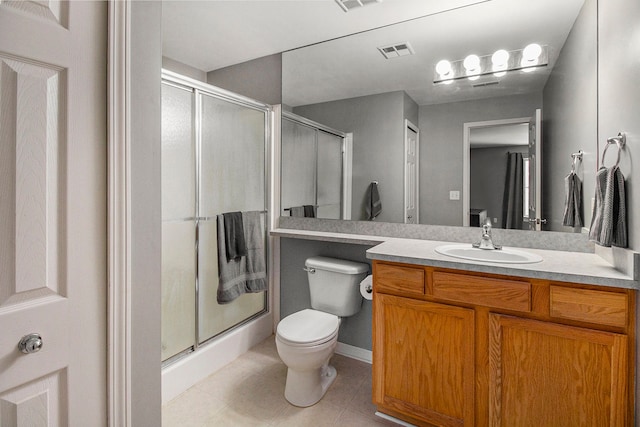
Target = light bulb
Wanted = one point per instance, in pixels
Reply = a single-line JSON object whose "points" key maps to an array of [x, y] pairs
{"points": [[443, 68], [472, 64], [500, 59], [532, 52]]}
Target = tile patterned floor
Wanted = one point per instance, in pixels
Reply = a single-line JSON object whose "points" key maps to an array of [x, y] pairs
{"points": [[250, 392]]}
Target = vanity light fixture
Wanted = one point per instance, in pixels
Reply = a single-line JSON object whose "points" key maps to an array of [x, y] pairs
{"points": [[498, 64]]}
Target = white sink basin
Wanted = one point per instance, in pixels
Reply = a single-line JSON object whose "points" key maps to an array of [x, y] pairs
{"points": [[503, 256]]}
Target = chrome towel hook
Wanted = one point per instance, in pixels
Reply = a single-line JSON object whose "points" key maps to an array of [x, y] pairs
{"points": [[575, 157]]}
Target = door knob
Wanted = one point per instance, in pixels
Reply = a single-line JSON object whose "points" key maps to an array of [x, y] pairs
{"points": [[31, 343]]}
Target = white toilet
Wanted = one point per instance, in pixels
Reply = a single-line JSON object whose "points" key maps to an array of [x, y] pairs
{"points": [[306, 339]]}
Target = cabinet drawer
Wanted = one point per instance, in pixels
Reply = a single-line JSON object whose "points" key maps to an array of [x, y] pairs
{"points": [[397, 279], [606, 308], [496, 293]]}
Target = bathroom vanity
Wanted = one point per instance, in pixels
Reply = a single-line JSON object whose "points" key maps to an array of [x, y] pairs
{"points": [[460, 343]]}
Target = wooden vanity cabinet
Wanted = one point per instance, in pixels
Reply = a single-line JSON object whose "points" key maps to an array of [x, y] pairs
{"points": [[424, 365], [452, 348], [545, 374]]}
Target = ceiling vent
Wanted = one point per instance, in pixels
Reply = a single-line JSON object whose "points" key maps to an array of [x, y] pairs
{"points": [[348, 5], [396, 50]]}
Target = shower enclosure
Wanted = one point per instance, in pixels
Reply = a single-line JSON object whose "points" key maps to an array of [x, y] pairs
{"points": [[315, 168], [214, 157]]}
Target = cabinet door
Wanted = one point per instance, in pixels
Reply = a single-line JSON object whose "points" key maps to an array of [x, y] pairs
{"points": [[424, 360], [545, 374]]}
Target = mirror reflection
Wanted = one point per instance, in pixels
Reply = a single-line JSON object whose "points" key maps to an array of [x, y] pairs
{"points": [[422, 143]]}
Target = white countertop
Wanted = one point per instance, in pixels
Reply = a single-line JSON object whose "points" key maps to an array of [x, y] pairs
{"points": [[562, 266], [576, 267]]}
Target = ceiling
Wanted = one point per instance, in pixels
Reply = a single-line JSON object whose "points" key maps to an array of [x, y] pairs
{"points": [[321, 64], [212, 34]]}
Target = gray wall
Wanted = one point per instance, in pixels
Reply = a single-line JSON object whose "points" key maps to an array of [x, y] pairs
{"points": [[294, 287], [570, 120], [619, 108], [441, 156], [184, 69], [145, 208], [377, 123], [259, 79], [487, 183], [619, 96]]}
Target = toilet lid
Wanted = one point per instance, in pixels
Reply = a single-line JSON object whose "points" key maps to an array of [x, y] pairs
{"points": [[308, 327]]}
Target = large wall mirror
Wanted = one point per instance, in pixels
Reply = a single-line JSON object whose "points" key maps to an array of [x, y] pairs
{"points": [[378, 87]]}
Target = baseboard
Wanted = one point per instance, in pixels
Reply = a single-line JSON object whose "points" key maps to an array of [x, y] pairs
{"points": [[354, 352]]}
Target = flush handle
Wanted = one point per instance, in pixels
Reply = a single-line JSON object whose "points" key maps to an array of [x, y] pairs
{"points": [[31, 343], [309, 270]]}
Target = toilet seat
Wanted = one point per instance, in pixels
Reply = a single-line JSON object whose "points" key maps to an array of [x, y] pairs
{"points": [[308, 328]]}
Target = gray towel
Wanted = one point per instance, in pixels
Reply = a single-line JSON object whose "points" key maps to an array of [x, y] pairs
{"points": [[572, 216], [373, 205], [309, 211], [297, 211], [245, 274], [609, 216], [234, 235]]}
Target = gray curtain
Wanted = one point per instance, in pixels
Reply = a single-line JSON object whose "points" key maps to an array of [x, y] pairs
{"points": [[512, 200]]}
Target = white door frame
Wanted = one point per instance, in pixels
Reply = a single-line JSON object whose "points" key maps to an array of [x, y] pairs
{"points": [[466, 157], [119, 216], [408, 125], [347, 175]]}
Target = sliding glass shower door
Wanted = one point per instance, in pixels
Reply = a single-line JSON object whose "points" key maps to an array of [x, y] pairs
{"points": [[178, 220], [312, 167], [232, 178], [213, 161]]}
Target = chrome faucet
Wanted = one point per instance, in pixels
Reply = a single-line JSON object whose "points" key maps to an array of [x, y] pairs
{"points": [[486, 242]]}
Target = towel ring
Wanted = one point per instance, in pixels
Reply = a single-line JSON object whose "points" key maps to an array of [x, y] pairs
{"points": [[620, 141]]}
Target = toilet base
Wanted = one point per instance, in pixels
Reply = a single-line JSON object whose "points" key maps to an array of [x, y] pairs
{"points": [[307, 388]]}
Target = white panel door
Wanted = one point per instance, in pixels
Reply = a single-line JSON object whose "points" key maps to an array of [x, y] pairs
{"points": [[411, 179], [53, 213], [535, 172]]}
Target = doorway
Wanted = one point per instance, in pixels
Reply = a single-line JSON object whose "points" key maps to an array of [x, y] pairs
{"points": [[486, 146]]}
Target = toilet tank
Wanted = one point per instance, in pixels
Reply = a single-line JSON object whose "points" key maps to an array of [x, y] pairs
{"points": [[334, 285]]}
